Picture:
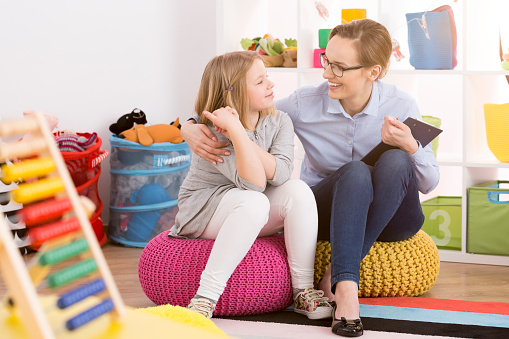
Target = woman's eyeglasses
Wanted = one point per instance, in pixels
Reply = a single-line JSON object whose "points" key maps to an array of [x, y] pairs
{"points": [[336, 69]]}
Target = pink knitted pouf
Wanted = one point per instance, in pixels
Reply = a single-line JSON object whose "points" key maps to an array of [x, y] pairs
{"points": [[170, 269]]}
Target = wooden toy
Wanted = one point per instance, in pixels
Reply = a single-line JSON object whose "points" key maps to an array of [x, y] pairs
{"points": [[69, 261]]}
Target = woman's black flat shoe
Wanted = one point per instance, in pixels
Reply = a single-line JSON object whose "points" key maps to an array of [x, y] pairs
{"points": [[346, 327]]}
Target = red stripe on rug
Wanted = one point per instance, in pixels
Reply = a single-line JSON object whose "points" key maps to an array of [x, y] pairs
{"points": [[440, 304]]}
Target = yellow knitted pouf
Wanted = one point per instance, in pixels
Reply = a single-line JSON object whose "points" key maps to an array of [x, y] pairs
{"points": [[184, 316], [391, 269]]}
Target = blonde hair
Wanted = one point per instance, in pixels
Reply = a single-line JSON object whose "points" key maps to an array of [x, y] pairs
{"points": [[224, 84], [371, 39]]}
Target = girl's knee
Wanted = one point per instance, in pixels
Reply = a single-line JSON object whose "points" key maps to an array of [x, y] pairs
{"points": [[298, 192], [295, 187], [254, 205]]}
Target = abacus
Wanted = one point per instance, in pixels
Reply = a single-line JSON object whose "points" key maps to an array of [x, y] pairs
{"points": [[69, 262]]}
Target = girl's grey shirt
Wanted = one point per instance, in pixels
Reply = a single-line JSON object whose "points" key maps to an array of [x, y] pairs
{"points": [[206, 184]]}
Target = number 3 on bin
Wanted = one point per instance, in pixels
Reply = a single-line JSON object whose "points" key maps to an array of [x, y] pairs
{"points": [[442, 227]]}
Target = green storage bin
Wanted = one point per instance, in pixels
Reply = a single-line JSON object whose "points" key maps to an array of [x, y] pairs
{"points": [[436, 122], [443, 221], [488, 218]]}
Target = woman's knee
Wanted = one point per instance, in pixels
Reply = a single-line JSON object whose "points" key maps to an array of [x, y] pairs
{"points": [[395, 159], [356, 173]]}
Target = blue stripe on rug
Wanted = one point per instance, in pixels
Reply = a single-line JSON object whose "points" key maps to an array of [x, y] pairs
{"points": [[437, 316]]}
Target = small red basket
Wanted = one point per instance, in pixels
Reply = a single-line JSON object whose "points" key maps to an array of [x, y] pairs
{"points": [[85, 169]]}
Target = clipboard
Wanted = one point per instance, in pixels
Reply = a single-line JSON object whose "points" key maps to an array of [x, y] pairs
{"points": [[421, 131]]}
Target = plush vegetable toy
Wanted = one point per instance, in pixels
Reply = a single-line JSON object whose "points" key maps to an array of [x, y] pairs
{"points": [[147, 135], [273, 51], [127, 121], [268, 45]]}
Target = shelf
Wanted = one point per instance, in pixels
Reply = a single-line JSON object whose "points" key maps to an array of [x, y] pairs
{"points": [[488, 72], [449, 159], [487, 164], [426, 71], [412, 72], [463, 257], [282, 69]]}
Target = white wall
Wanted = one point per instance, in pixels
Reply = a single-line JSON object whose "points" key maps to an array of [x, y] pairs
{"points": [[89, 62]]}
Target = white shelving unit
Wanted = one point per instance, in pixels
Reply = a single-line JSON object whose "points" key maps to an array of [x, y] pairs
{"points": [[455, 96]]}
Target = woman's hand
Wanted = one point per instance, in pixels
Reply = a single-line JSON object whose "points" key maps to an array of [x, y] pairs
{"points": [[396, 133], [203, 142]]}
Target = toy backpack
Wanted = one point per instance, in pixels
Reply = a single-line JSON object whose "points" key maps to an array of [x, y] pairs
{"points": [[432, 39]]}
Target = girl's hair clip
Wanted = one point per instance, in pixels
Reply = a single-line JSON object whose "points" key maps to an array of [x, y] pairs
{"points": [[230, 88]]}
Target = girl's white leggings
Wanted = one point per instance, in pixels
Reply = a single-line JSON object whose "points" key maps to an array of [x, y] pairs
{"points": [[244, 215]]}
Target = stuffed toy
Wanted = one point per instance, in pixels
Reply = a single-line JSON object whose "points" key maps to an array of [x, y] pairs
{"points": [[127, 121], [71, 142], [51, 119], [148, 135]]}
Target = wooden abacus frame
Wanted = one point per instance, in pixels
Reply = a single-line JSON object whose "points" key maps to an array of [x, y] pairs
{"points": [[13, 268]]}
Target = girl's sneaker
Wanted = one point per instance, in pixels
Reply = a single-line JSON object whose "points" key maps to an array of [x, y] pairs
{"points": [[202, 306], [312, 304]]}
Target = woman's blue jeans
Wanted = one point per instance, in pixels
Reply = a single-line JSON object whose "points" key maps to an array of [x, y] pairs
{"points": [[359, 204]]}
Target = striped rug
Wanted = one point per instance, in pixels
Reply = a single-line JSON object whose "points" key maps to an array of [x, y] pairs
{"points": [[398, 317]]}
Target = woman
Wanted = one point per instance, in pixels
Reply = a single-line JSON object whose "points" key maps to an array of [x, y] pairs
{"points": [[338, 122]]}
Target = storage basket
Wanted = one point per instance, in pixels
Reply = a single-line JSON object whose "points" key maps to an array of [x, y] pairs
{"points": [[497, 130], [85, 169], [434, 121], [145, 181], [443, 221], [488, 218]]}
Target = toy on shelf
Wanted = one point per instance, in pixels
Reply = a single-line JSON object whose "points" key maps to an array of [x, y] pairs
{"points": [[127, 121], [273, 51], [148, 135], [396, 53], [322, 10], [505, 62], [58, 225]]}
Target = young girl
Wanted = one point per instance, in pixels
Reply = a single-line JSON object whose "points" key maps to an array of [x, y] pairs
{"points": [[249, 195]]}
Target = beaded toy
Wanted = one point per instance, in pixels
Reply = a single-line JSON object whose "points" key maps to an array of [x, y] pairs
{"points": [[69, 262]]}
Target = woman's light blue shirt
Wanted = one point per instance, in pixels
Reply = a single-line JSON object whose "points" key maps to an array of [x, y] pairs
{"points": [[332, 138]]}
